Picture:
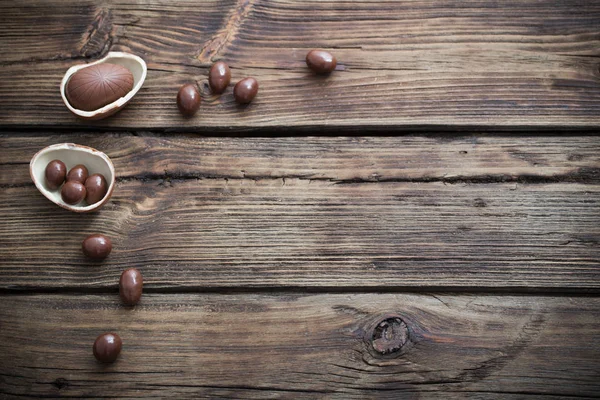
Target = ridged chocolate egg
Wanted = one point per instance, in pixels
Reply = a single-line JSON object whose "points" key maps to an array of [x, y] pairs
{"points": [[94, 87]]}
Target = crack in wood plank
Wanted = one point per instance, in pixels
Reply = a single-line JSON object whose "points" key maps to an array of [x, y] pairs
{"points": [[581, 175], [98, 39], [95, 42], [227, 34]]}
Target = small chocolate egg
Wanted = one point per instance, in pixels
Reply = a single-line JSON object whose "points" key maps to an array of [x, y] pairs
{"points": [[78, 173], [56, 172], [219, 77], [188, 99], [94, 87], [320, 61], [107, 347], [96, 246], [96, 188], [72, 192], [130, 286], [245, 90]]}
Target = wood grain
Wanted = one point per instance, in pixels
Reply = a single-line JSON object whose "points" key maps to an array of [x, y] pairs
{"points": [[269, 260], [449, 158], [212, 233], [299, 346], [402, 65]]}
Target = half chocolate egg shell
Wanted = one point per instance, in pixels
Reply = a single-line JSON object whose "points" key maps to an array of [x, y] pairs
{"points": [[71, 155], [97, 90]]}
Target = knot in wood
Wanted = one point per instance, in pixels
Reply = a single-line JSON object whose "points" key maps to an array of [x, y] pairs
{"points": [[60, 383], [389, 335]]}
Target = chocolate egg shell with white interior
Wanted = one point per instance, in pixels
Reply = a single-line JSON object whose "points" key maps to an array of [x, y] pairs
{"points": [[113, 67], [72, 154]]}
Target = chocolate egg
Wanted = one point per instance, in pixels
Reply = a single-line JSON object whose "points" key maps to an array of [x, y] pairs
{"points": [[107, 347], [78, 173], [72, 192], [131, 284], [96, 246], [134, 64], [320, 61], [245, 90], [56, 171], [95, 188], [188, 99], [219, 77], [98, 85]]}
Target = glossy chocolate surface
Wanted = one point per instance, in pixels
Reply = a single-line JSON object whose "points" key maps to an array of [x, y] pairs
{"points": [[94, 87], [78, 173], [96, 246], [56, 173], [130, 286], [245, 90], [107, 347], [320, 61], [188, 100], [72, 192], [219, 77], [96, 188]]}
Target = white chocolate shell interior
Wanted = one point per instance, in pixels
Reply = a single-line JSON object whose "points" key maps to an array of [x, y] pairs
{"points": [[133, 63], [72, 154]]}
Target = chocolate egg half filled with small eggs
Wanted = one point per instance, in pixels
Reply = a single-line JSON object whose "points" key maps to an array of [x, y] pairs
{"points": [[73, 156], [100, 89]]}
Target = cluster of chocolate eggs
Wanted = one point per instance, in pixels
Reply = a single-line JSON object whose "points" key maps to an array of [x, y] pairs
{"points": [[219, 77], [77, 184], [100, 89], [97, 247]]}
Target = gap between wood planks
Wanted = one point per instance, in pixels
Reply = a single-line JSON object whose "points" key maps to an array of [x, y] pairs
{"points": [[284, 290], [582, 175], [431, 130]]}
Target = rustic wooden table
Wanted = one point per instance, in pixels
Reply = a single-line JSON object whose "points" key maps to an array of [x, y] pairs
{"points": [[424, 222]]}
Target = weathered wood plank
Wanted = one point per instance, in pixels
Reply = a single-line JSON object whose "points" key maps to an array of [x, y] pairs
{"points": [[291, 346], [438, 158], [402, 64], [203, 233]]}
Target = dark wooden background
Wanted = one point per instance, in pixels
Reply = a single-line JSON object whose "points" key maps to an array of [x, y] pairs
{"points": [[446, 175]]}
